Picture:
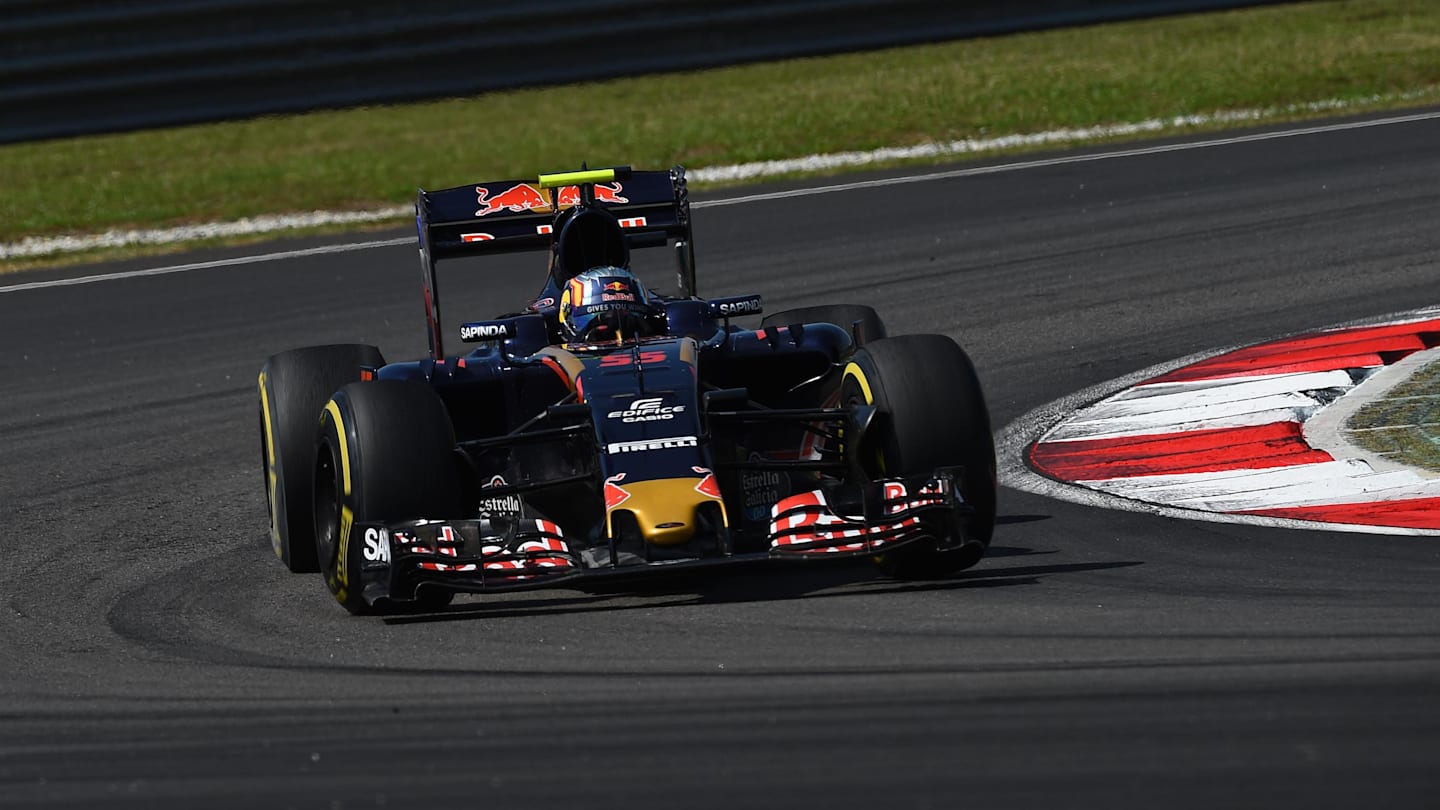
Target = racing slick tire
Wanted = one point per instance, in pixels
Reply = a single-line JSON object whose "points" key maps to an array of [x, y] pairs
{"points": [[386, 452], [842, 315], [294, 387], [934, 415]]}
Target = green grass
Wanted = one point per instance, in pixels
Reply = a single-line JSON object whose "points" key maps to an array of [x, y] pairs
{"points": [[1256, 58], [1404, 426]]}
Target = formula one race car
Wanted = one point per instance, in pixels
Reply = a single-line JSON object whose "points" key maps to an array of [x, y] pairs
{"points": [[607, 430]]}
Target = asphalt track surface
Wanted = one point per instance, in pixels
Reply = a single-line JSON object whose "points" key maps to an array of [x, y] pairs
{"points": [[156, 654]]}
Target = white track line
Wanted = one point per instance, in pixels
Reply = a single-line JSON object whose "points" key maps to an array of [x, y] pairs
{"points": [[1060, 161], [778, 195], [970, 146], [185, 268], [270, 223]]}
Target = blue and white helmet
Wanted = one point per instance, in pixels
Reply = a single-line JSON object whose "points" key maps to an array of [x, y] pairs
{"points": [[604, 303]]}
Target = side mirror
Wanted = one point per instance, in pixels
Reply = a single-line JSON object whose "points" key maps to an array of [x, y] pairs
{"points": [[568, 410], [720, 395], [685, 268]]}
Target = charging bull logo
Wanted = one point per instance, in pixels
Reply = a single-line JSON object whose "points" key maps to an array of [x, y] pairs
{"points": [[517, 198], [617, 291], [523, 197], [606, 193]]}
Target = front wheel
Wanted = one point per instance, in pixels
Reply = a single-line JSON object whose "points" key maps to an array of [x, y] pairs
{"points": [[386, 453], [932, 413], [294, 386]]}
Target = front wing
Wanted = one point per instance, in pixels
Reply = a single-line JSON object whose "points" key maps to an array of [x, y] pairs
{"points": [[506, 554], [888, 513]]}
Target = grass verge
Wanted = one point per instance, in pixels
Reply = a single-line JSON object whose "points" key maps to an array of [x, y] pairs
{"points": [[1257, 58], [1404, 426]]}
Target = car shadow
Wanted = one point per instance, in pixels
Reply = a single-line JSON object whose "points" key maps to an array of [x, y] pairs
{"points": [[1008, 520], [1004, 566]]}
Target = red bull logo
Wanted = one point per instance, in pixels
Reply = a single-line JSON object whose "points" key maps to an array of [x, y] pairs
{"points": [[569, 196], [610, 193], [517, 198], [617, 286], [525, 197]]}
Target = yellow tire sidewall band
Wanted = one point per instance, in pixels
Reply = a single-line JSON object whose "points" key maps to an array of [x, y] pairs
{"points": [[334, 411], [341, 585], [853, 369], [272, 476]]}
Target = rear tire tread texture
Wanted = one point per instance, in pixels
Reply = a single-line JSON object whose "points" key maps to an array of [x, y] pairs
{"points": [[397, 441], [842, 315], [934, 415], [294, 387]]}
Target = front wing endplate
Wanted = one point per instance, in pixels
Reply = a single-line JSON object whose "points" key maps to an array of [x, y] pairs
{"points": [[867, 518]]}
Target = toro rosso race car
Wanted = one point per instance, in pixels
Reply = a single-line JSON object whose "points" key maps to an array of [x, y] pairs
{"points": [[608, 430]]}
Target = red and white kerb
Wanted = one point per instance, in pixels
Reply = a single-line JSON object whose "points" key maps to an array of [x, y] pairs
{"points": [[1228, 435]]}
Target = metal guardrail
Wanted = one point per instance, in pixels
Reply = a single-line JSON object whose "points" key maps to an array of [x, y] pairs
{"points": [[73, 67]]}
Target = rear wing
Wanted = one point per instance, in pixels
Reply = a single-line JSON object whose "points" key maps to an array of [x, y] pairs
{"points": [[513, 215], [653, 207]]}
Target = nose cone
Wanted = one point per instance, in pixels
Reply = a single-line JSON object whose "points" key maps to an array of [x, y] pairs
{"points": [[665, 509]]}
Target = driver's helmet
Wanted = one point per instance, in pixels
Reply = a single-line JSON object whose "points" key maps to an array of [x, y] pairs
{"points": [[606, 303]]}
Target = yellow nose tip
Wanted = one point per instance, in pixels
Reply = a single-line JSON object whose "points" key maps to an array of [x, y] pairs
{"points": [[665, 509]]}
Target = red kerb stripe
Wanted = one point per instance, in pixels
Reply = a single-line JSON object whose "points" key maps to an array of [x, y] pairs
{"points": [[1279, 444], [1325, 351], [1415, 513]]}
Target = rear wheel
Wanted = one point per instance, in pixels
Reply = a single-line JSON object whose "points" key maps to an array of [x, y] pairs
{"points": [[932, 414], [294, 387], [842, 315], [386, 453]]}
